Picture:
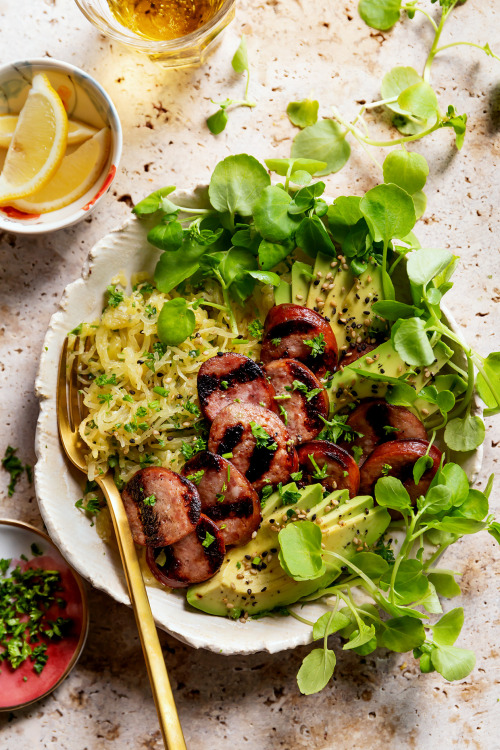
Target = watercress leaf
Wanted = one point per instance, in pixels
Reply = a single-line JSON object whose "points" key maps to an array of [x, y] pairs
{"points": [[312, 237], [464, 434], [366, 648], [400, 394], [453, 663], [271, 216], [360, 637], [343, 214], [281, 166], [316, 671], [455, 478], [446, 631], [323, 141], [412, 125], [452, 382], [494, 530], [426, 663], [475, 506], [389, 212], [326, 625], [371, 564], [394, 82], [300, 177], [489, 486], [272, 253], [407, 169], [458, 526], [458, 123], [434, 295], [419, 203], [430, 602], [240, 58], [419, 100], [402, 634], [235, 263], [391, 493], [172, 268], [380, 14], [446, 401], [424, 264], [410, 584], [217, 122], [265, 277], [420, 467], [236, 184], [412, 344], [303, 113], [305, 198], [438, 498], [300, 550], [167, 236], [444, 584], [244, 238], [490, 395], [392, 310], [152, 203], [176, 322]]}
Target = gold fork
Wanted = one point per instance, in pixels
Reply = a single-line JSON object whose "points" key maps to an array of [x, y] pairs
{"points": [[70, 411]]}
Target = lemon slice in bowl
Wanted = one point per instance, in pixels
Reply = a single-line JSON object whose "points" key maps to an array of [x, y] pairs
{"points": [[38, 144], [77, 173], [77, 131]]}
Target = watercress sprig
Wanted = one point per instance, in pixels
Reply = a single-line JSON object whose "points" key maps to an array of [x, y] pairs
{"points": [[217, 122]]}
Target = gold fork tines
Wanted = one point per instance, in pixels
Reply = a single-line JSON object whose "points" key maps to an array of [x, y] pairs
{"points": [[70, 412]]}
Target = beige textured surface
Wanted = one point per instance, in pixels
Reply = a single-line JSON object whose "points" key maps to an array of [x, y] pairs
{"points": [[377, 702]]}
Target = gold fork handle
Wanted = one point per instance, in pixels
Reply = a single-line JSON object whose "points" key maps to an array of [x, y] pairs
{"points": [[155, 662]]}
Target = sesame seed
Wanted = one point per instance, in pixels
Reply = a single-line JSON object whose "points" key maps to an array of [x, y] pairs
{"points": [[254, 534], [240, 576], [299, 296]]}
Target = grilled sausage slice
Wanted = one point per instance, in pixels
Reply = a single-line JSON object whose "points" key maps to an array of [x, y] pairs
{"points": [[241, 429], [397, 459], [380, 422], [286, 329], [302, 413], [227, 497], [342, 471], [197, 557], [228, 376], [162, 507]]}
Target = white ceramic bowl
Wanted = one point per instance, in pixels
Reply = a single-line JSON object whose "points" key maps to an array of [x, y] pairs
{"points": [[85, 100], [58, 488]]}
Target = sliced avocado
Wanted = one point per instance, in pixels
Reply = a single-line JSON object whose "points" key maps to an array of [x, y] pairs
{"points": [[323, 274], [269, 585], [342, 284], [354, 319], [346, 385], [301, 278], [283, 293]]}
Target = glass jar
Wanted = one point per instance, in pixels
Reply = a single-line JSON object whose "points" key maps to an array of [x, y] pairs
{"points": [[191, 49]]}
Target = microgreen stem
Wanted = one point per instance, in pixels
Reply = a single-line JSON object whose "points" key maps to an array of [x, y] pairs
{"points": [[300, 619], [227, 300], [382, 144], [401, 555], [468, 44], [350, 565], [426, 75], [436, 554], [421, 10]]}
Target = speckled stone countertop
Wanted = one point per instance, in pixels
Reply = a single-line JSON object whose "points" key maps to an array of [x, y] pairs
{"points": [[297, 49]]}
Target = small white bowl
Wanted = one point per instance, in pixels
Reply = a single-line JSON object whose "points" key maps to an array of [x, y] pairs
{"points": [[85, 100]]}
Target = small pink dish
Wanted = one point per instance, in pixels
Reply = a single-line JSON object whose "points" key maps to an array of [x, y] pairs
{"points": [[85, 100], [22, 686]]}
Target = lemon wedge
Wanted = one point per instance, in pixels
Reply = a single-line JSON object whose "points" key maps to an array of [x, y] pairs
{"points": [[77, 173], [38, 144], [77, 131]]}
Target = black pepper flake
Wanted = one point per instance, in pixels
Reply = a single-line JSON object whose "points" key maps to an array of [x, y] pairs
{"points": [[249, 591]]}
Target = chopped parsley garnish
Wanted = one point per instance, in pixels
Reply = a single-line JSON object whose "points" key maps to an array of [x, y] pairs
{"points": [[290, 497], [105, 398], [357, 452], [224, 384], [317, 345], [25, 598], [161, 391], [106, 379], [263, 439], [266, 492], [220, 496], [336, 428], [92, 506], [384, 550], [255, 328], [188, 450], [227, 455], [275, 342], [196, 477], [128, 397], [318, 473], [35, 550], [15, 468], [141, 411], [150, 311], [115, 296], [296, 476], [283, 413], [389, 429], [386, 468], [209, 539], [192, 408], [150, 500], [194, 353]]}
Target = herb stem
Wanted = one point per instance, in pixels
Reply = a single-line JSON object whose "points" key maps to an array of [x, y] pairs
{"points": [[426, 75], [468, 44], [300, 619], [421, 10]]}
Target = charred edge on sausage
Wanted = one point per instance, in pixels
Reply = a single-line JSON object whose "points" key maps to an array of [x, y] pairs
{"points": [[230, 439], [148, 515], [312, 406], [242, 508], [260, 461], [245, 373]]}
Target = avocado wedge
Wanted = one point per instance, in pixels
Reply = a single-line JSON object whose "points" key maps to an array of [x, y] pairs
{"points": [[235, 588]]}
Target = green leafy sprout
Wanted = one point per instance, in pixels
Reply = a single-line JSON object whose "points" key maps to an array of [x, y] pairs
{"points": [[404, 586], [217, 122]]}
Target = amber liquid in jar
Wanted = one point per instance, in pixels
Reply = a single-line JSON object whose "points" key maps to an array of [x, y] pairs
{"points": [[164, 19]]}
